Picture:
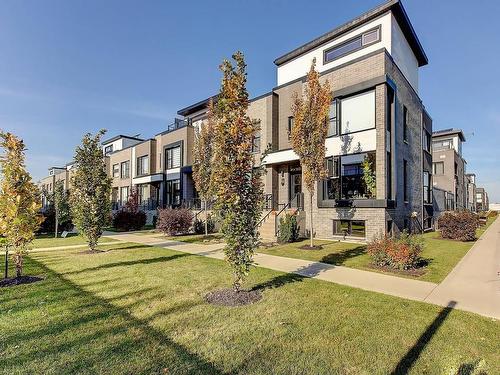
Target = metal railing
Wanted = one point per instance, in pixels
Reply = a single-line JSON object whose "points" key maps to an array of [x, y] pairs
{"points": [[296, 202], [178, 123]]}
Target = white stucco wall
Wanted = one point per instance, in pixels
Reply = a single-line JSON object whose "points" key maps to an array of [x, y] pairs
{"points": [[392, 39], [347, 144], [299, 66], [403, 55]]}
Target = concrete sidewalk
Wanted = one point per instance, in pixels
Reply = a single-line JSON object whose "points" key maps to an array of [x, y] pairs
{"points": [[474, 283], [372, 281]]}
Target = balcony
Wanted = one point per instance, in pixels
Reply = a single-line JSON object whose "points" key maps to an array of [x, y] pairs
{"points": [[177, 124]]}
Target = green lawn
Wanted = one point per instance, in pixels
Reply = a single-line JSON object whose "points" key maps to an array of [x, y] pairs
{"points": [[72, 239], [441, 255], [139, 309]]}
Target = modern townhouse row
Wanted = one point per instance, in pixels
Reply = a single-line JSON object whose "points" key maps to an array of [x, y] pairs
{"points": [[372, 63], [454, 188]]}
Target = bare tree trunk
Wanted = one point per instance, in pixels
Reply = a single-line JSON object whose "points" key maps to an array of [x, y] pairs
{"points": [[206, 217], [311, 217], [6, 274], [57, 218]]}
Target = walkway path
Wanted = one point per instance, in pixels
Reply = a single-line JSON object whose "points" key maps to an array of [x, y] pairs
{"points": [[474, 283], [376, 282]]}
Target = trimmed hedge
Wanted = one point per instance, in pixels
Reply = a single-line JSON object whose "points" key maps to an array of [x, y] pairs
{"points": [[174, 221], [401, 253], [125, 221], [460, 225]]}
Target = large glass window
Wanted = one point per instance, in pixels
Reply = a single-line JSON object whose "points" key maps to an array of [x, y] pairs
{"points": [[142, 165], [173, 157], [443, 144], [125, 169], [354, 228], [173, 192], [426, 141], [352, 45], [357, 112]]}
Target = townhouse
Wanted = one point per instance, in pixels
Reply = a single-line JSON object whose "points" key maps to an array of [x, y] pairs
{"points": [[449, 167], [372, 63], [55, 175], [482, 200]]}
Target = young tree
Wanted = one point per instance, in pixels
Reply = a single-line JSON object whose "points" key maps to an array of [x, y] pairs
{"points": [[310, 112], [202, 164], [61, 205], [19, 201], [237, 182], [90, 197]]}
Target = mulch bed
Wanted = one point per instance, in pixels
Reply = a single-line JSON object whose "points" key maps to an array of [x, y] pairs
{"points": [[228, 297], [19, 281], [417, 272], [307, 247]]}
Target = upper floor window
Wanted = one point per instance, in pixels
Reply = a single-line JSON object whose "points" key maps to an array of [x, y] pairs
{"points": [[290, 126], [443, 144], [352, 45], [108, 150], [333, 128], [405, 123], [256, 142], [405, 180], [173, 157], [357, 112], [438, 167], [427, 187], [125, 169], [142, 165], [116, 170], [426, 141]]}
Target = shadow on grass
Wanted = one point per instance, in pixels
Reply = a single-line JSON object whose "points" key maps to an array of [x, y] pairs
{"points": [[130, 263], [340, 257], [279, 281], [406, 363], [91, 334]]}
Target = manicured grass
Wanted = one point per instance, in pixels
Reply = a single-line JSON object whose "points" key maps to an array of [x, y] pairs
{"points": [[197, 238], [441, 255], [72, 239], [138, 309]]}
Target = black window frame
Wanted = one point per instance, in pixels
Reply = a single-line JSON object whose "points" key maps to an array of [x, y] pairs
{"points": [[434, 168], [357, 38], [427, 189], [116, 172], [405, 180], [122, 164], [169, 159], [405, 124], [256, 142], [139, 170], [108, 150], [291, 122], [349, 232]]}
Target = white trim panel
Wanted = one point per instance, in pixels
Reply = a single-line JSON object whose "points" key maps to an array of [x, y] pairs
{"points": [[147, 179]]}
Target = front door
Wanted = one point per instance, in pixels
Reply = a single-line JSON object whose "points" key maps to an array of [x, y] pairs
{"points": [[295, 188]]}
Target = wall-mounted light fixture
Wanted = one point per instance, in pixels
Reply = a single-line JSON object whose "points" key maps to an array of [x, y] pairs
{"points": [[282, 177]]}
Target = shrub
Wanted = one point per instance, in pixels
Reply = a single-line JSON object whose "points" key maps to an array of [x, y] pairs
{"points": [[401, 253], [199, 226], [288, 230], [459, 225], [173, 221], [125, 220], [49, 222]]}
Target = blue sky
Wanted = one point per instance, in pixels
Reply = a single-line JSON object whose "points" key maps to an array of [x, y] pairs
{"points": [[70, 67]]}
